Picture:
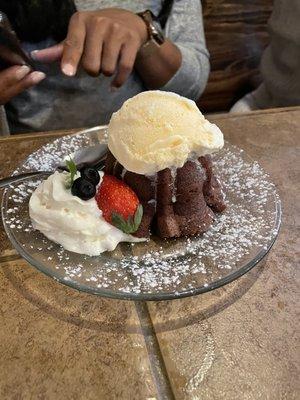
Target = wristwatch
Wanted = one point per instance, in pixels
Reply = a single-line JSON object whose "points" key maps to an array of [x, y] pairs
{"points": [[155, 33]]}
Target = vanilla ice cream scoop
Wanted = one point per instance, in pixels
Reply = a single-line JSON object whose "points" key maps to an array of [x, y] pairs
{"points": [[156, 130]]}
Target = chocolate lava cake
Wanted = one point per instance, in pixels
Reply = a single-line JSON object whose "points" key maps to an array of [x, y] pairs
{"points": [[176, 202]]}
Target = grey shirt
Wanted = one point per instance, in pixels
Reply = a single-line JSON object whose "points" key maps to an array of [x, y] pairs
{"points": [[62, 102]]}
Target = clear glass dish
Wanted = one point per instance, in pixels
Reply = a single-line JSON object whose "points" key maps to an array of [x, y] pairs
{"points": [[157, 269]]}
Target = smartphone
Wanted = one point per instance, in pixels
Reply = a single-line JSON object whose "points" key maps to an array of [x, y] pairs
{"points": [[11, 52]]}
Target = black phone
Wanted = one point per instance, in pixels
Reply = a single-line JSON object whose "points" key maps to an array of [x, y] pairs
{"points": [[11, 52]]}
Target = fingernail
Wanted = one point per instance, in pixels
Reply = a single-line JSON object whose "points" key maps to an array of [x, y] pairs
{"points": [[33, 54], [22, 72], [68, 70], [37, 76]]}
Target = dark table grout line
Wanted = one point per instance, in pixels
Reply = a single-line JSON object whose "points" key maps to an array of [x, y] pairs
{"points": [[37, 135], [156, 361], [157, 365], [11, 257], [20, 138]]}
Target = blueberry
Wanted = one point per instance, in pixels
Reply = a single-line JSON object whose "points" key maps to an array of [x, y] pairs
{"points": [[83, 189], [90, 174]]}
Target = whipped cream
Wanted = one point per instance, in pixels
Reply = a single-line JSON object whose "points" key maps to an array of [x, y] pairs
{"points": [[76, 224]]}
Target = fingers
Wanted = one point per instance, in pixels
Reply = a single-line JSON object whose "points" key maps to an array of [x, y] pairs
{"points": [[73, 45], [91, 59], [49, 55], [126, 63], [30, 80], [15, 80], [12, 75], [110, 55], [100, 43]]}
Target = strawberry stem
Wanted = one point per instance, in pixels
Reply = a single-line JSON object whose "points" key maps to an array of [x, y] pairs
{"points": [[131, 225]]}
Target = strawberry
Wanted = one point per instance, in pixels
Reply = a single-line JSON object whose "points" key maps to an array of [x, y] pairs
{"points": [[119, 204]]}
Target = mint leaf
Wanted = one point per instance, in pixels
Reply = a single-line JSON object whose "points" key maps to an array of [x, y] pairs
{"points": [[72, 171]]}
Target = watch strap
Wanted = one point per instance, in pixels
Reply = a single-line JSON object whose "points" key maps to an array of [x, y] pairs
{"points": [[154, 33]]}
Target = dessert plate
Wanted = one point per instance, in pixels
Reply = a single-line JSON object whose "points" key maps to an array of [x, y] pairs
{"points": [[157, 269]]}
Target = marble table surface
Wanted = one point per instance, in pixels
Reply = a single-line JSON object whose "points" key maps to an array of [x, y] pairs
{"points": [[238, 342]]}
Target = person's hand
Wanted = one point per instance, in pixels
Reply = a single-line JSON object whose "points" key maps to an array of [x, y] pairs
{"points": [[15, 80], [104, 41]]}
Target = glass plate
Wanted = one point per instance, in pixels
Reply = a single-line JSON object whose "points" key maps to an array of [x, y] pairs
{"points": [[158, 269]]}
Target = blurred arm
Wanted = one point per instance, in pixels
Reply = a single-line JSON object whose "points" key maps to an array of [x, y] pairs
{"points": [[181, 64]]}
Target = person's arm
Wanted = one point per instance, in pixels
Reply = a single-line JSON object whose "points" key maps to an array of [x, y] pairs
{"points": [[185, 29], [14, 80], [181, 64], [159, 65], [103, 41], [110, 41]]}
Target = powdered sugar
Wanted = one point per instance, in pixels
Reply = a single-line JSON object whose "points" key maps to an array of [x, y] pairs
{"points": [[156, 268]]}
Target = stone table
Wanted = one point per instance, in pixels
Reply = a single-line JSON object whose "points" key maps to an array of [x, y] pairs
{"points": [[237, 342]]}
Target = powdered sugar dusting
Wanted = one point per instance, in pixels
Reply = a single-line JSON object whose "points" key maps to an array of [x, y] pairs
{"points": [[246, 228]]}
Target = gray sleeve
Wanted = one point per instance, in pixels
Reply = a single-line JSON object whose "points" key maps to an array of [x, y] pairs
{"points": [[185, 29]]}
